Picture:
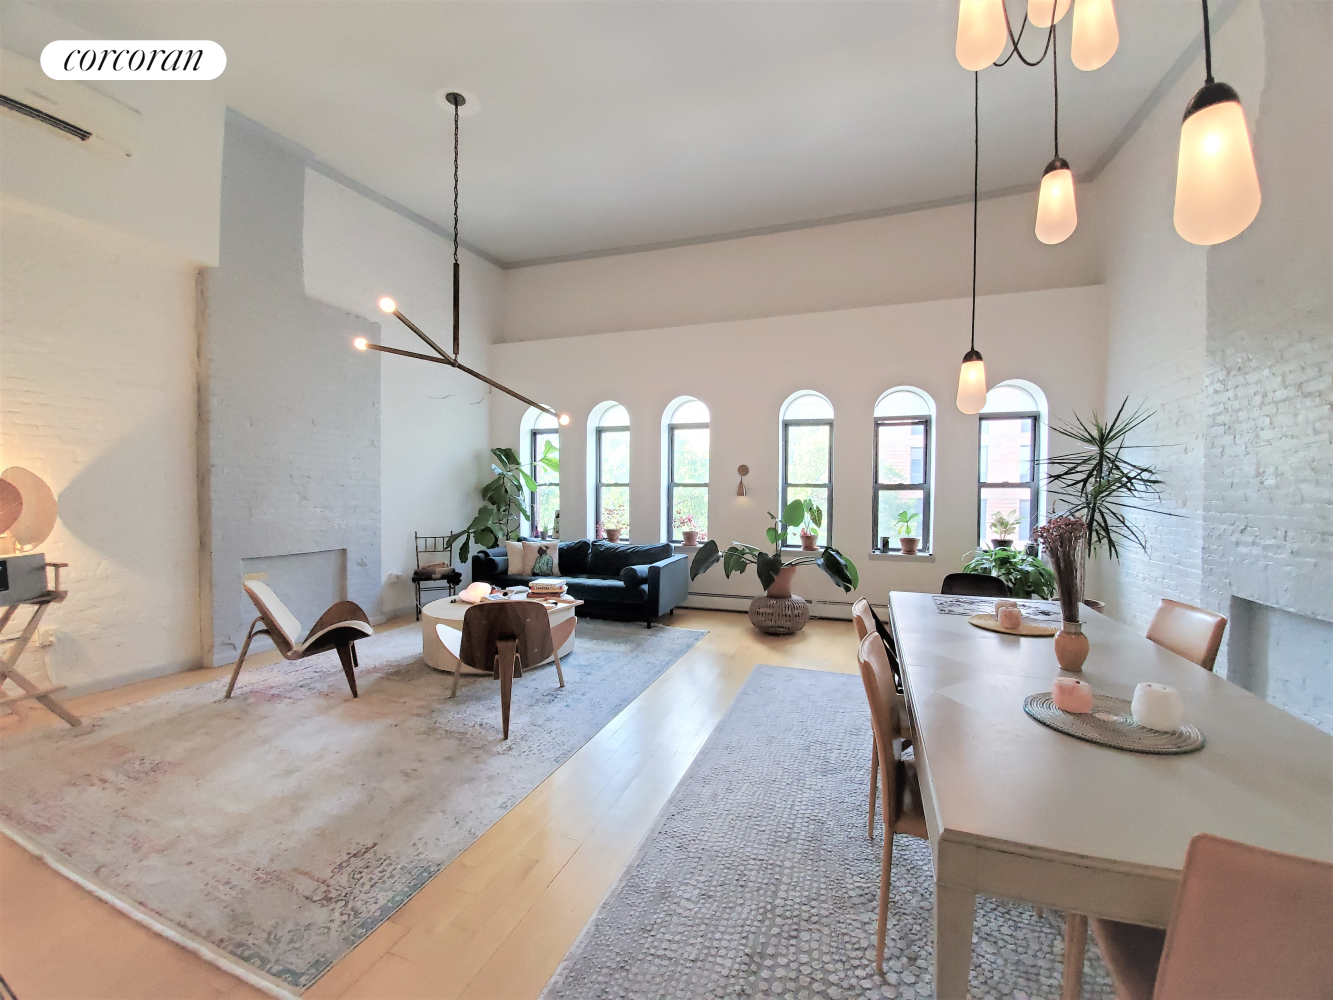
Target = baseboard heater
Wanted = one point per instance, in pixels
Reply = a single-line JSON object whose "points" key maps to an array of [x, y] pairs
{"points": [[841, 606]]}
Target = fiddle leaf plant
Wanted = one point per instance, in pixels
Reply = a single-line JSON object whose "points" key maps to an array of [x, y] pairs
{"points": [[504, 506], [905, 521], [737, 556]]}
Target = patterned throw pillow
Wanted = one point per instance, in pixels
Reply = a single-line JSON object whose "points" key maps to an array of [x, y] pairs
{"points": [[541, 558], [544, 564]]}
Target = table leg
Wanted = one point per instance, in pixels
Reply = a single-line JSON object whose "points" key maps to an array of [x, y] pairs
{"points": [[955, 910], [1076, 947]]}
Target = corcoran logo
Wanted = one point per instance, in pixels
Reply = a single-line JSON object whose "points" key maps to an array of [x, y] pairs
{"points": [[120, 60]]}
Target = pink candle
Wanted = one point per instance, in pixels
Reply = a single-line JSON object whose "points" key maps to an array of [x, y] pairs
{"points": [[1072, 695], [1010, 618]]}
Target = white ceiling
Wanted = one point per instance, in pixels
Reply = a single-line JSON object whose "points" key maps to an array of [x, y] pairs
{"points": [[606, 125]]}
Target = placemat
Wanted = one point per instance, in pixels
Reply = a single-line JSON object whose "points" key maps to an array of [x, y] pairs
{"points": [[992, 624], [1110, 724], [948, 604]]}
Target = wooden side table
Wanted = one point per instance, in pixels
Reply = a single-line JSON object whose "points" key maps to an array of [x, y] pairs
{"points": [[19, 643]]}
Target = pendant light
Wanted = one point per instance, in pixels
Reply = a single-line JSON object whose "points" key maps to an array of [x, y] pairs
{"points": [[983, 28], [1057, 212], [1040, 12], [1095, 34], [972, 376], [1217, 187]]}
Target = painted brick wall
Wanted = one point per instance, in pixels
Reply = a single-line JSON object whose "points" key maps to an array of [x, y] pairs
{"points": [[290, 422]]}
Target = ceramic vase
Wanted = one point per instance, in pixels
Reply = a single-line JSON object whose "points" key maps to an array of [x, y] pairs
{"points": [[909, 544], [690, 538], [613, 534], [1071, 646], [809, 542], [782, 585]]}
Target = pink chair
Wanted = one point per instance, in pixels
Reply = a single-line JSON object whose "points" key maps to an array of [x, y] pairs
{"points": [[1188, 631], [1248, 923]]}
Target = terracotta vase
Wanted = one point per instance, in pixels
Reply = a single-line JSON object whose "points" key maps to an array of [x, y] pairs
{"points": [[690, 538], [809, 542], [1071, 647], [909, 544], [613, 534], [781, 587]]}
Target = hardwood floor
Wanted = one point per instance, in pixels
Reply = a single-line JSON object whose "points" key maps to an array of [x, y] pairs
{"points": [[497, 921]]}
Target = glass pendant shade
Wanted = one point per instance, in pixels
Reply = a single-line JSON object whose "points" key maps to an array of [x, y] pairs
{"points": [[1039, 12], [982, 33], [1057, 213], [1095, 34], [1217, 187], [972, 383]]}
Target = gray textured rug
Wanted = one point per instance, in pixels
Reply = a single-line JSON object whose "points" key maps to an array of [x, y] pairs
{"points": [[760, 879], [284, 825]]}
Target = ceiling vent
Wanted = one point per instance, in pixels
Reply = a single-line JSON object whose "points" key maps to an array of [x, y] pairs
{"points": [[66, 108]]}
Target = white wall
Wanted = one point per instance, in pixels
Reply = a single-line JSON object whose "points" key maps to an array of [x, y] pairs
{"points": [[435, 421], [98, 397], [743, 370], [912, 257]]}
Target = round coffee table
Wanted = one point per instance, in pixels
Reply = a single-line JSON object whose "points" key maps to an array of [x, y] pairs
{"points": [[450, 611]]}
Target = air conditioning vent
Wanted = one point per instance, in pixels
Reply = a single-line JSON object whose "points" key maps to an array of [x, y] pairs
{"points": [[66, 107], [82, 134]]}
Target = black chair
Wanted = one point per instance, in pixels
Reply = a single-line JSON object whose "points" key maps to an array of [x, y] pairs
{"points": [[974, 585], [434, 575]]}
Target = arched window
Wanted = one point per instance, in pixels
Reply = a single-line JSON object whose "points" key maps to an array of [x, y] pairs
{"points": [[687, 440], [904, 468], [611, 469], [541, 453], [807, 458], [1008, 477]]}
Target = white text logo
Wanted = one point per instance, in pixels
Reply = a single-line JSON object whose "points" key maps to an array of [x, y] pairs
{"points": [[121, 60]]}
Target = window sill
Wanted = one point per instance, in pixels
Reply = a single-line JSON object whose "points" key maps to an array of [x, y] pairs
{"points": [[928, 557]]}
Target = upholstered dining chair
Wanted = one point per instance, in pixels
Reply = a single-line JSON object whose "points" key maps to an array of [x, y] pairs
{"points": [[506, 637], [974, 585], [900, 794], [1247, 922], [338, 628], [1188, 631]]}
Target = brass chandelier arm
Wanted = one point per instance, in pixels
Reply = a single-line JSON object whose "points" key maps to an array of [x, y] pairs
{"points": [[452, 363], [420, 333]]}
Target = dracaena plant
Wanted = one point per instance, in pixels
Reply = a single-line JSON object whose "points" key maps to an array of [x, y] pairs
{"points": [[737, 556], [1003, 525], [503, 508]]}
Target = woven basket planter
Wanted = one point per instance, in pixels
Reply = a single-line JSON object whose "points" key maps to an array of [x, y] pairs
{"points": [[779, 615]]}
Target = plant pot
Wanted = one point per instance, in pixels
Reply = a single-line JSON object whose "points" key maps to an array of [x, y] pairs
{"points": [[690, 538], [809, 543], [781, 587], [1002, 543], [1095, 605], [909, 544], [779, 615], [613, 534], [1071, 647]]}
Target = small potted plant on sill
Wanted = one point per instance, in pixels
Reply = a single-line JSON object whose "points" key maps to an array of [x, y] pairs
{"points": [[1003, 525], [689, 532], [614, 521], [812, 519], [903, 525]]}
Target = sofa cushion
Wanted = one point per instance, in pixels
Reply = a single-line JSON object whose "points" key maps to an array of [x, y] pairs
{"points": [[437, 571], [609, 558], [596, 588], [635, 576], [574, 556]]}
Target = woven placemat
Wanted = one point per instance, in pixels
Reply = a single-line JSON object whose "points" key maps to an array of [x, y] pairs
{"points": [[1110, 724], [992, 624]]}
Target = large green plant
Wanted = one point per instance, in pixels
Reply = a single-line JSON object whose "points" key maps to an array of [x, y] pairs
{"points": [[738, 555], [504, 508], [1027, 576], [1099, 482]]}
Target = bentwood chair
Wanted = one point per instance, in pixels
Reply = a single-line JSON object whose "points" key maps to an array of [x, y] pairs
{"points": [[863, 616], [338, 628], [974, 585], [1188, 631], [506, 637], [1247, 922], [900, 793]]}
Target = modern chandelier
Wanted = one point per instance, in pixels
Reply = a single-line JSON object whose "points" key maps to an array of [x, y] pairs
{"points": [[389, 306]]}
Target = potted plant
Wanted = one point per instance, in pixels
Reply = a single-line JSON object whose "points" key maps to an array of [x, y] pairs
{"points": [[1025, 575], [812, 519], [1003, 525], [689, 533], [615, 521], [903, 525], [503, 508]]}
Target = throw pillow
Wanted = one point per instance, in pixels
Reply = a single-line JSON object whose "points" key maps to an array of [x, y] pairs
{"points": [[515, 551], [634, 576], [541, 558]]}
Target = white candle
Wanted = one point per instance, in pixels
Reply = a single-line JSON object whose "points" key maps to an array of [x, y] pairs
{"points": [[1157, 706]]}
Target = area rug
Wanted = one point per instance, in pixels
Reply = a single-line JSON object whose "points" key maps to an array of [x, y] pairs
{"points": [[760, 880], [281, 827]]}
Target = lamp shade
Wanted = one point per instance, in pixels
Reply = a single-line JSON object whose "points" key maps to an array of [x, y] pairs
{"points": [[1039, 11], [1057, 214], [1095, 34], [982, 33], [1217, 187], [972, 383]]}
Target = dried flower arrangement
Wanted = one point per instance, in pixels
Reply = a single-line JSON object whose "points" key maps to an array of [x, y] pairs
{"points": [[1065, 541]]}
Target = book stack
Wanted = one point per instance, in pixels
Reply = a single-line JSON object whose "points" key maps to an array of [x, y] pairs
{"points": [[547, 587]]}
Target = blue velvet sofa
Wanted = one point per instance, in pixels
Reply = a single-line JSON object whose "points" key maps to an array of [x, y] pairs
{"points": [[620, 581]]}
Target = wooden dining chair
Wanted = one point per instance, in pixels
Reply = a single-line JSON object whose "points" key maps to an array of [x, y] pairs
{"points": [[338, 628], [974, 585], [863, 616], [1188, 631], [1247, 922], [506, 637], [900, 793]]}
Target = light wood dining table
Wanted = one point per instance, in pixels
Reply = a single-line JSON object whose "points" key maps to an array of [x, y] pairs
{"points": [[1018, 811]]}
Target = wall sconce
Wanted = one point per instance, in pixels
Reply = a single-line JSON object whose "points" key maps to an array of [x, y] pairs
{"points": [[744, 470]]}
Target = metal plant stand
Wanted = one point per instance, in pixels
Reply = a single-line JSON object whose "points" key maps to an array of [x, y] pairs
{"points": [[20, 642]]}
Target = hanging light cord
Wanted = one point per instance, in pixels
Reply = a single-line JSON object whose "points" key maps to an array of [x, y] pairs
{"points": [[1055, 76], [456, 282], [1013, 41], [1207, 44], [976, 179]]}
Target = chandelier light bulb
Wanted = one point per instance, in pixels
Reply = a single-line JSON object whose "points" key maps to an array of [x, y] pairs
{"points": [[1057, 213], [1217, 186], [359, 343], [388, 305], [972, 383], [982, 33], [1095, 34], [1039, 12]]}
